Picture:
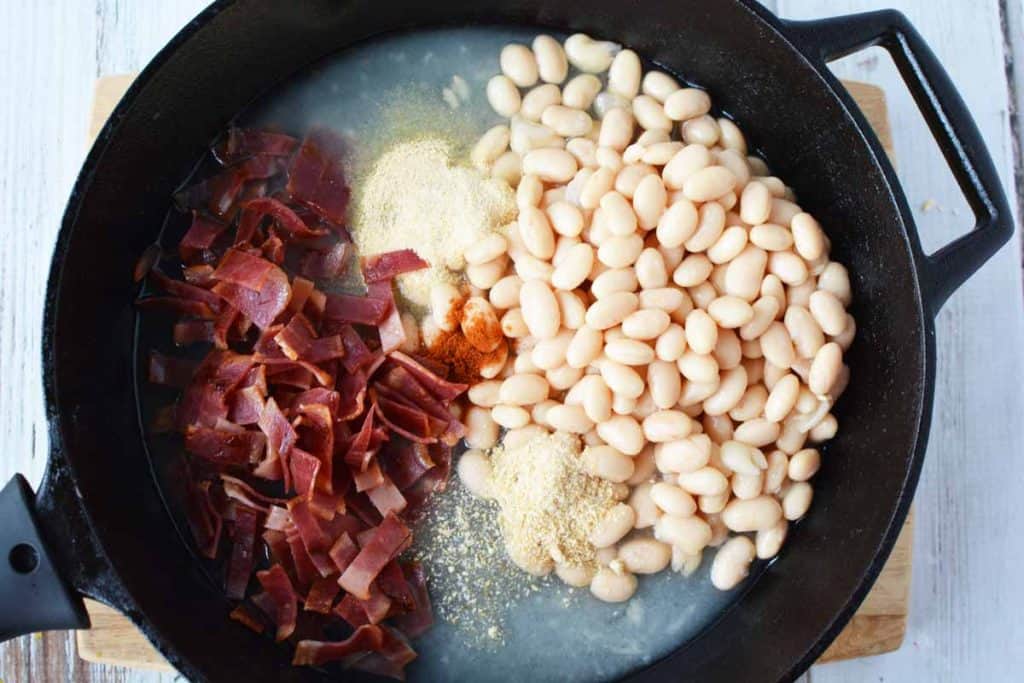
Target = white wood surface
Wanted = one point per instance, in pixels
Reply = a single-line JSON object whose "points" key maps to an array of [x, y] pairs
{"points": [[966, 596]]}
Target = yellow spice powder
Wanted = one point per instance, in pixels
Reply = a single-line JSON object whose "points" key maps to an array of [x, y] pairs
{"points": [[416, 197], [549, 503]]}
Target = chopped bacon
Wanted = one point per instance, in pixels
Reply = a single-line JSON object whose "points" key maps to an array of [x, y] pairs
{"points": [[391, 537], [244, 615], [282, 599], [255, 210], [170, 372], [241, 143], [350, 433], [380, 267], [345, 308], [242, 553], [199, 239], [387, 498], [222, 447], [367, 638], [320, 597], [147, 260], [316, 178]]}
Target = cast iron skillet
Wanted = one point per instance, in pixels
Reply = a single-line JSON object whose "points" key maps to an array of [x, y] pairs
{"points": [[98, 527]]}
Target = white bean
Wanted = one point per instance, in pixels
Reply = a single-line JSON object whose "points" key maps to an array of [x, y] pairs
{"points": [[650, 114], [671, 345], [744, 274], [607, 463], [706, 481], [797, 500], [523, 390], [539, 309], [689, 534], [590, 55], [552, 64], [566, 121], [755, 514], [828, 312], [687, 162], [673, 500], [825, 368], [664, 383], [687, 103], [701, 332], [732, 563], [445, 300], [615, 524], [609, 586], [616, 129], [537, 100], [768, 542], [622, 379], [550, 165], [569, 418], [629, 352], [580, 91], [481, 430], [667, 425], [491, 145], [702, 130], [686, 455], [623, 433], [755, 203], [624, 74], [611, 310], [574, 268], [474, 471], [645, 324], [645, 555], [519, 64], [730, 312], [503, 95], [575, 576]]}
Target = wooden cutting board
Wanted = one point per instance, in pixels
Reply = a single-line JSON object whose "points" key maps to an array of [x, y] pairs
{"points": [[878, 626]]}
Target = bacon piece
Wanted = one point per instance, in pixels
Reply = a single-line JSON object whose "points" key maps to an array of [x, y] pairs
{"points": [[244, 269], [200, 275], [405, 463], [222, 447], [391, 659], [305, 467], [358, 455], [241, 143], [343, 551], [386, 266], [282, 600], [216, 194], [315, 177], [242, 553], [345, 308], [203, 519], [148, 259], [192, 331], [195, 246], [391, 538], [438, 386], [298, 341], [318, 436], [301, 289], [204, 401], [357, 354], [390, 329], [246, 405], [392, 581], [245, 615], [387, 498], [305, 571], [320, 597], [255, 210], [236, 489], [369, 478], [170, 372], [367, 638]]}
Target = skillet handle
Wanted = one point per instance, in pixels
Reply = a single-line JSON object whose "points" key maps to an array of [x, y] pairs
{"points": [[942, 272], [34, 595]]}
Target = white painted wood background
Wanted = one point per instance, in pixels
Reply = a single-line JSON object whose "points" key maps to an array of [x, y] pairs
{"points": [[967, 598]]}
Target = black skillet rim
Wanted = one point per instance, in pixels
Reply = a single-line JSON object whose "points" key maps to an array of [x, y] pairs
{"points": [[60, 468]]}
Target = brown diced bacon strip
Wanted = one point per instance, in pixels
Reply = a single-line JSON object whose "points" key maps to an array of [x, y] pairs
{"points": [[242, 143], [368, 638], [282, 599], [380, 267], [391, 537]]}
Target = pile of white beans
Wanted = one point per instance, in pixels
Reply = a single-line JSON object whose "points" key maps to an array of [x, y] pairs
{"points": [[667, 300]]}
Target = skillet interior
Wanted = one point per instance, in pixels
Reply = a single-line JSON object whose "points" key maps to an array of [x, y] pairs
{"points": [[239, 50]]}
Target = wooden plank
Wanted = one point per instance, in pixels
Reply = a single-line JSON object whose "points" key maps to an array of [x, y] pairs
{"points": [[878, 626], [965, 596]]}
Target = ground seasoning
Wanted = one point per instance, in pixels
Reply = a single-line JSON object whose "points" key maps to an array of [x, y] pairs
{"points": [[463, 358]]}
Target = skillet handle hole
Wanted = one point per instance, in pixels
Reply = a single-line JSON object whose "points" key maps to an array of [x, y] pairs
{"points": [[23, 558]]}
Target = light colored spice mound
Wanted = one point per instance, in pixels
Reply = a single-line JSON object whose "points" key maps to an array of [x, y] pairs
{"points": [[549, 504], [416, 196]]}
